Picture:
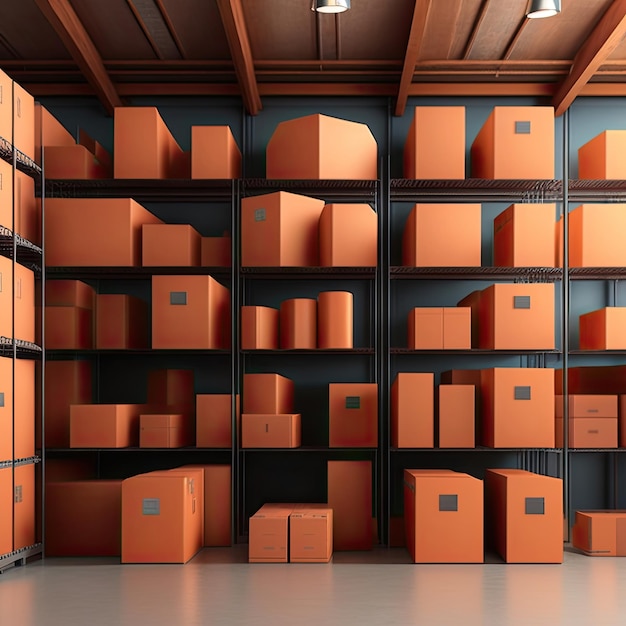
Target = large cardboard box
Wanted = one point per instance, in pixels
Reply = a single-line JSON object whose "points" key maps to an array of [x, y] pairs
{"points": [[443, 513], [267, 393], [170, 245], [271, 431], [6, 409], [83, 518], [335, 320], [24, 295], [24, 523], [523, 236], [604, 329], [348, 236], [259, 328], [214, 153], [353, 415], [23, 121], [190, 312], [320, 147], [588, 432], [425, 328], [214, 424], [600, 533], [94, 232], [105, 425], [6, 297], [68, 328], [595, 236], [435, 145], [412, 410], [517, 407], [602, 157], [165, 430], [160, 514], [73, 163], [280, 230], [311, 535], [456, 416], [442, 235], [121, 322], [268, 535], [24, 409], [350, 498], [298, 324], [524, 515], [517, 316], [515, 142], [6, 501]]}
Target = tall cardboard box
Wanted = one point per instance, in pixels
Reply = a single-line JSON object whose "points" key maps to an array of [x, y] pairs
{"points": [[602, 157], [24, 296], [515, 142], [604, 329], [24, 409], [280, 230], [298, 324], [6, 409], [353, 415], [320, 147], [23, 121], [6, 501], [214, 153], [435, 144], [456, 416], [412, 410], [267, 393], [28, 211], [24, 523], [170, 245], [6, 297], [121, 322], [259, 328], [335, 320], [214, 424]]}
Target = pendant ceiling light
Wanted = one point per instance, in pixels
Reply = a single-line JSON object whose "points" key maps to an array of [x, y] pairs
{"points": [[330, 6], [543, 8]]}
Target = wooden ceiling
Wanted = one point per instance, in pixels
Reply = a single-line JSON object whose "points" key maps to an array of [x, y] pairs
{"points": [[256, 48]]}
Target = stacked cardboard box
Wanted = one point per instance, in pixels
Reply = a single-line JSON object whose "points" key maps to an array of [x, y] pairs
{"points": [[592, 421]]}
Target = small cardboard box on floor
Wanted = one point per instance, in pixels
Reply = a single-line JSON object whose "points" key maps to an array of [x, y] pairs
{"points": [[600, 533]]}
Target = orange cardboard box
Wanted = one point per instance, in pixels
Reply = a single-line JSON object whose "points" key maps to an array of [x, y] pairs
{"points": [[523, 236], [6, 501], [214, 153], [622, 421], [66, 383], [170, 245], [601, 158], [267, 393], [6, 297], [412, 410], [456, 418], [24, 408], [171, 387], [600, 533], [216, 251], [335, 320], [73, 163], [517, 316], [320, 147], [353, 415], [103, 156], [435, 145], [164, 431], [525, 515], [425, 328], [214, 424], [311, 535], [595, 236], [105, 425], [70, 293], [443, 515], [24, 293], [442, 235], [83, 518], [348, 236], [6, 194], [190, 312], [6, 107], [259, 328], [594, 405], [350, 498], [144, 146], [298, 324], [268, 535], [517, 407], [24, 506], [457, 328], [68, 328], [515, 142], [159, 518], [607, 379], [604, 329], [6, 410], [28, 211], [49, 132], [23, 121], [121, 322], [280, 230], [271, 431], [588, 432], [94, 232], [472, 301]]}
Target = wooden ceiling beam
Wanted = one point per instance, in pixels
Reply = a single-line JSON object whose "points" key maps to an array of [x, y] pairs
{"points": [[234, 22], [416, 37], [474, 34], [602, 41], [72, 33]]}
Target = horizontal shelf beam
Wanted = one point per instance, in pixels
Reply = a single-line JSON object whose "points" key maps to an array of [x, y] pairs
{"points": [[59, 354], [537, 274], [128, 273], [472, 352]]}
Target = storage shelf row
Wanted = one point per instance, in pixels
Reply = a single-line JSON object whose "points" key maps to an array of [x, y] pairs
{"points": [[28, 253], [24, 163], [20, 557], [23, 349]]}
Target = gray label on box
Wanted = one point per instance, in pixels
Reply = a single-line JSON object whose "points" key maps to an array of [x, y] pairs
{"points": [[449, 502], [1, 398], [522, 128], [521, 302], [259, 215], [522, 393], [353, 402], [178, 297], [535, 506], [18, 494], [151, 506]]}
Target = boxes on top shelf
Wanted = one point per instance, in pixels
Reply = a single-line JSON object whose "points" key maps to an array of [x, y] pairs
{"points": [[320, 147], [602, 158], [214, 153]]}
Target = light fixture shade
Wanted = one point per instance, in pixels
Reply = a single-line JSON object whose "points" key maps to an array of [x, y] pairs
{"points": [[330, 6], [542, 8]]}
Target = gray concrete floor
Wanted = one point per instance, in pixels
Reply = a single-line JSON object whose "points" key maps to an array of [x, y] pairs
{"points": [[378, 588]]}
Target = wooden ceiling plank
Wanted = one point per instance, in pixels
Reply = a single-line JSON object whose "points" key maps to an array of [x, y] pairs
{"points": [[72, 33], [477, 24], [416, 37], [516, 37], [145, 30], [170, 25], [604, 38], [234, 22]]}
